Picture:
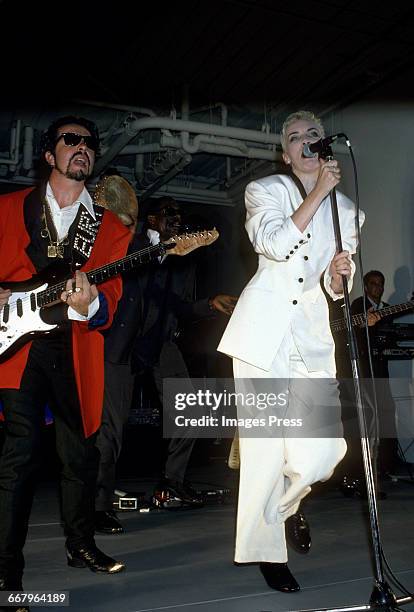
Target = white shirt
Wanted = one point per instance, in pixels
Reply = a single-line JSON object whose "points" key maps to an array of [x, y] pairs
{"points": [[63, 219], [154, 238], [375, 305]]}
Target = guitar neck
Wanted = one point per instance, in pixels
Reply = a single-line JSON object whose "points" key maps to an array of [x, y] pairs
{"points": [[99, 275], [359, 319]]}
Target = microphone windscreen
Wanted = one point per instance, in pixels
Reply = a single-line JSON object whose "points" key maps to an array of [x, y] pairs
{"points": [[307, 152]]}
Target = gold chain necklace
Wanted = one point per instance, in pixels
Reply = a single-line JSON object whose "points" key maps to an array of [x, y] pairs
{"points": [[56, 248]]}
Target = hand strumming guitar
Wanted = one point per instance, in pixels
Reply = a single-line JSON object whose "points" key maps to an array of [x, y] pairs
{"points": [[223, 303]]}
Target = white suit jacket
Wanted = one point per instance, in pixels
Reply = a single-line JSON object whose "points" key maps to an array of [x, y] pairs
{"points": [[285, 291]]}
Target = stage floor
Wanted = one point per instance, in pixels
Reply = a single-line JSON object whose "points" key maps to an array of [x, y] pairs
{"points": [[181, 560]]}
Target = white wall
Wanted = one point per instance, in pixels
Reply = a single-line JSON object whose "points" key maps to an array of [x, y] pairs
{"points": [[382, 136]]}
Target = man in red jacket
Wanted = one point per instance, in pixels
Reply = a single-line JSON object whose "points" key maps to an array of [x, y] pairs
{"points": [[56, 223]]}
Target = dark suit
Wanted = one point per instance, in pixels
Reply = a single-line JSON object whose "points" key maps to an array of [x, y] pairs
{"points": [[388, 448], [156, 299], [387, 453]]}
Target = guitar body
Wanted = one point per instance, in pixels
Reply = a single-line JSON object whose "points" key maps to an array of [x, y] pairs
{"points": [[20, 319]]}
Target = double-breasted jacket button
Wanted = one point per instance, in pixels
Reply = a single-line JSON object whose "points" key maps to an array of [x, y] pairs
{"points": [[308, 235], [300, 280], [287, 257], [291, 252], [294, 302], [306, 258]]}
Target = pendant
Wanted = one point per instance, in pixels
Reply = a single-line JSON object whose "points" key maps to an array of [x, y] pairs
{"points": [[60, 250], [52, 251]]}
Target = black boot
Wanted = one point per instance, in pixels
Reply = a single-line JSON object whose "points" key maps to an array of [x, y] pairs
{"points": [[279, 577], [89, 555], [12, 582], [174, 494], [298, 533], [107, 522]]}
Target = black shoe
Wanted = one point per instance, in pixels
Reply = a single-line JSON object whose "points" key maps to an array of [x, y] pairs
{"points": [[279, 577], [354, 487], [12, 583], [298, 533], [107, 522], [174, 494], [88, 555]]}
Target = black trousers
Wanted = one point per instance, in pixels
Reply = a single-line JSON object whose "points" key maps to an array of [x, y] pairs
{"points": [[48, 378], [387, 451], [119, 386], [171, 364]]}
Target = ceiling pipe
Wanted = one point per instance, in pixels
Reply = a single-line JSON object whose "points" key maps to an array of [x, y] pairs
{"points": [[167, 177], [160, 123], [197, 140], [142, 110], [175, 142], [163, 165], [28, 148], [13, 160], [209, 107]]}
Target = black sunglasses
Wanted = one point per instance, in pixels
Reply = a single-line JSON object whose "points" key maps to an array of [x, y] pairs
{"points": [[72, 140]]}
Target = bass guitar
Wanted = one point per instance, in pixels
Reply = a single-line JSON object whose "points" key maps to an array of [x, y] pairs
{"points": [[21, 318], [359, 319]]}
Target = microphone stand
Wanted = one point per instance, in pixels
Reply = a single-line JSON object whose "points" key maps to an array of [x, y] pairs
{"points": [[382, 598]]}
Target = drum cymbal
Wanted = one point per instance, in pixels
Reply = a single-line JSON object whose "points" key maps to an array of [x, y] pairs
{"points": [[116, 194]]}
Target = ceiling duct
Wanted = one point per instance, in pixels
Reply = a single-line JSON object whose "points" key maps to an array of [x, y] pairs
{"points": [[163, 170]]}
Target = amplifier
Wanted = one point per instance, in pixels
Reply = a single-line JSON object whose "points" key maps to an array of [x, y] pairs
{"points": [[394, 353]]}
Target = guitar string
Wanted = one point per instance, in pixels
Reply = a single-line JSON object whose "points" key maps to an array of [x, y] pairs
{"points": [[61, 285], [339, 324], [145, 251]]}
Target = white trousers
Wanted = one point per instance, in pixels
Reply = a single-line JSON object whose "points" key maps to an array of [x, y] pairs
{"points": [[277, 473]]}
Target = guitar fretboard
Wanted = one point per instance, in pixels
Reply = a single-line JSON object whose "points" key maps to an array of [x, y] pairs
{"points": [[99, 275], [359, 319]]}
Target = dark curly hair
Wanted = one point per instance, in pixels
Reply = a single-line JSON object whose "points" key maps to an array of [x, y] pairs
{"points": [[49, 137], [372, 273]]}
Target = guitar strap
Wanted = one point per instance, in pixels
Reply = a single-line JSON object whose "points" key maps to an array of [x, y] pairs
{"points": [[298, 184], [85, 233], [81, 237]]}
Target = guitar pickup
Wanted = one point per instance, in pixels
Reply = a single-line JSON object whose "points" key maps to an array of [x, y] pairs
{"points": [[19, 307], [6, 313], [33, 301]]}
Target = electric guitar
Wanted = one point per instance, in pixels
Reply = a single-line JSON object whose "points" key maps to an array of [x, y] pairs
{"points": [[359, 319], [21, 318]]}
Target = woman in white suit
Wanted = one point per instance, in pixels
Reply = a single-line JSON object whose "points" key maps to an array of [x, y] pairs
{"points": [[280, 330]]}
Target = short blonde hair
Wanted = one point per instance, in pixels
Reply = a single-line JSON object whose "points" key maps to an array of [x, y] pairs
{"points": [[301, 115]]}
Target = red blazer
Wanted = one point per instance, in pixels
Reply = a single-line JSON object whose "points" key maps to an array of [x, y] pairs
{"points": [[111, 243]]}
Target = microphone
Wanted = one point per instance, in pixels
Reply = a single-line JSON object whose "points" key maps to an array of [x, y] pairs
{"points": [[309, 150]]}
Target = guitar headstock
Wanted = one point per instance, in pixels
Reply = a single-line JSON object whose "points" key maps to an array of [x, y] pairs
{"points": [[185, 243]]}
